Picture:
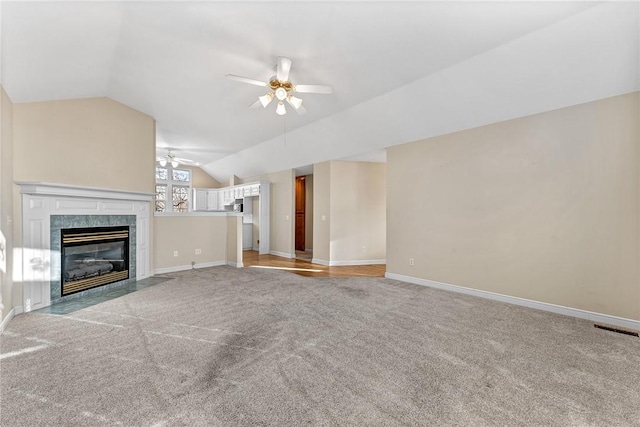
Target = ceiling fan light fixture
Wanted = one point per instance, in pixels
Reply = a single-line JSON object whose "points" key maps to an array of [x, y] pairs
{"points": [[295, 102], [266, 99], [174, 163], [281, 93], [163, 162], [281, 110]]}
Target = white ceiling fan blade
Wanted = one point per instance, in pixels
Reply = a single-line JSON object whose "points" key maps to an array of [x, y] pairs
{"points": [[185, 161], [314, 89], [245, 80], [284, 66], [256, 104]]}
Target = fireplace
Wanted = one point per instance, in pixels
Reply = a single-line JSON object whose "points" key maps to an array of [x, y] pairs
{"points": [[92, 257]]}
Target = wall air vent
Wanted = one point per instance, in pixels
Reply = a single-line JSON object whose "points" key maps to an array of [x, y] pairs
{"points": [[620, 331]]}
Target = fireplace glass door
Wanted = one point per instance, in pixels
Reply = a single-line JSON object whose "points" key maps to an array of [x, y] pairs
{"points": [[93, 257]]}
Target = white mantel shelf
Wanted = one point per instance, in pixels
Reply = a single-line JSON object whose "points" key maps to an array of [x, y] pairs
{"points": [[49, 189]]}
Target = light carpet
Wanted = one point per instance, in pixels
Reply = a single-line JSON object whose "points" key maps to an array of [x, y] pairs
{"points": [[224, 347]]}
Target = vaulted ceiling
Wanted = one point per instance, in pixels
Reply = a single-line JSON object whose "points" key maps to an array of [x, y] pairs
{"points": [[401, 71]]}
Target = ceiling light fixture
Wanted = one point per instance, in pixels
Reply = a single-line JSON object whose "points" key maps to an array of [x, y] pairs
{"points": [[171, 159], [281, 88], [281, 93], [266, 99], [295, 102]]}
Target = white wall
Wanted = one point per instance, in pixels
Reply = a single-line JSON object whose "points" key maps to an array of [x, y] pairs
{"points": [[6, 203]]}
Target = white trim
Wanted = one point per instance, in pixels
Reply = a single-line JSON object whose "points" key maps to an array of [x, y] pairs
{"points": [[308, 250], [255, 248], [235, 264], [319, 261], [188, 267], [49, 189], [282, 254], [7, 319], [18, 309], [553, 308], [358, 262]]}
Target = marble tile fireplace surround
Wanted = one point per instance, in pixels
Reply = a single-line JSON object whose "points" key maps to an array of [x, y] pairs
{"points": [[48, 209]]}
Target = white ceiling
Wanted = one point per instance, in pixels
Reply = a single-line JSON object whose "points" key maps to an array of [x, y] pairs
{"points": [[401, 71]]}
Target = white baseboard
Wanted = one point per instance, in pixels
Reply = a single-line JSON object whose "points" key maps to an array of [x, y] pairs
{"points": [[255, 248], [235, 264], [308, 250], [553, 308], [7, 319], [18, 309], [319, 261], [282, 254], [358, 262], [188, 267]]}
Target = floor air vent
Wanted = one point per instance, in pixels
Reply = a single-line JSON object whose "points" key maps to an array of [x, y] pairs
{"points": [[620, 331]]}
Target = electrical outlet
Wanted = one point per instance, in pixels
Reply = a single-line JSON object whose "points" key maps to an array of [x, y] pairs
{"points": [[175, 253], [364, 249], [324, 217], [286, 217], [410, 261], [198, 251]]}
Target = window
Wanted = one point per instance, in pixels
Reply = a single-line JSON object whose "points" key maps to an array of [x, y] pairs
{"points": [[173, 186], [161, 174], [180, 199], [161, 198]]}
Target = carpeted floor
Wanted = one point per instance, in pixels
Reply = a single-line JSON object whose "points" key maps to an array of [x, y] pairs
{"points": [[222, 346]]}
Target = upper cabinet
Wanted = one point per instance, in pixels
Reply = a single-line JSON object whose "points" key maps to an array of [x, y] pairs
{"points": [[213, 199]]}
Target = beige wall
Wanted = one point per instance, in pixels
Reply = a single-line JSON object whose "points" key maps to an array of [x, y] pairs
{"points": [[544, 207], [201, 179], [6, 201], [185, 234], [357, 211], [281, 210], [234, 240], [321, 209], [308, 213], [94, 142]]}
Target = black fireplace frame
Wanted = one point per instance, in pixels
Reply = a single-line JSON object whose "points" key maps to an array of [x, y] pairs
{"points": [[67, 232]]}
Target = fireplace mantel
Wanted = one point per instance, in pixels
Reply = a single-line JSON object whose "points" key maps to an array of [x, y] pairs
{"points": [[42, 202], [50, 189]]}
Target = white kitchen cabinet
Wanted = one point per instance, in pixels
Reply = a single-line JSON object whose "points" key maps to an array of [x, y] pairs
{"points": [[199, 199], [212, 200]]}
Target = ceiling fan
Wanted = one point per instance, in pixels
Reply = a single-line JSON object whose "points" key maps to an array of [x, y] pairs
{"points": [[282, 89], [174, 161]]}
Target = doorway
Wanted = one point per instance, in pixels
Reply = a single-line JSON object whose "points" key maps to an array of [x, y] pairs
{"points": [[303, 203], [300, 212]]}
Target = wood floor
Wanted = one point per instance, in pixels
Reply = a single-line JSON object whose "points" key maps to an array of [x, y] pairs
{"points": [[306, 268]]}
